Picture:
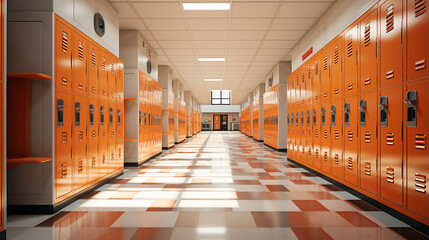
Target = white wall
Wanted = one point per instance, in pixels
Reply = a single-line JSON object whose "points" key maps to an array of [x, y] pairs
{"points": [[336, 19], [279, 74], [220, 108]]}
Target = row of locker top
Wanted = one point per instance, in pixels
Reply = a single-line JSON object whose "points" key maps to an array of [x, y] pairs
{"points": [[150, 91], [386, 45], [84, 67]]}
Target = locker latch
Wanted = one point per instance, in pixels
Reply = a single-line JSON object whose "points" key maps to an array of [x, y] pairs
{"points": [[314, 117], [323, 116], [347, 114], [411, 103], [91, 115], [383, 110], [102, 115], [308, 117], [77, 114], [362, 109], [111, 116], [60, 112], [119, 117], [293, 119], [333, 112], [302, 118]]}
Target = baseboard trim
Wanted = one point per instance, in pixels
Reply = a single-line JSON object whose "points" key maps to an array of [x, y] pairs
{"points": [[277, 149], [136, 164]]}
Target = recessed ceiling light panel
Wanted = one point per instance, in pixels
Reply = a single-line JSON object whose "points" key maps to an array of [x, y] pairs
{"points": [[213, 80], [211, 59], [206, 6]]}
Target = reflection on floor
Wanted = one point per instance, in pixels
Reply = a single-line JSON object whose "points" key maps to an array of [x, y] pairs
{"points": [[217, 185]]}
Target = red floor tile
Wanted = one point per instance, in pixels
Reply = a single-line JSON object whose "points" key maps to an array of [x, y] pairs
{"points": [[311, 233], [152, 234], [277, 188], [323, 196], [357, 219], [309, 205], [303, 182], [299, 219]]}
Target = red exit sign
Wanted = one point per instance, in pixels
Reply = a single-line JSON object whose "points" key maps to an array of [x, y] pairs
{"points": [[306, 54]]}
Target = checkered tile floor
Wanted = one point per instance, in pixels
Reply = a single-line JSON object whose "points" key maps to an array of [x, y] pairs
{"points": [[217, 185]]}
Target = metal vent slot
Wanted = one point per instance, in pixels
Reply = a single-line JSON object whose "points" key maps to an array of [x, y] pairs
{"points": [[80, 50], [317, 153], [390, 174], [390, 138], [325, 156], [420, 141], [64, 170], [337, 159], [93, 162], [350, 46], [337, 134], [316, 68], [367, 137], [390, 74], [64, 137], [325, 134], [325, 62], [94, 134], [420, 65], [350, 163], [419, 7], [93, 58], [350, 86], [80, 136], [368, 168], [336, 91], [367, 35], [64, 42], [350, 135], [325, 94], [316, 133], [367, 81], [420, 182], [80, 167], [104, 63], [112, 68], [390, 19], [336, 57]]}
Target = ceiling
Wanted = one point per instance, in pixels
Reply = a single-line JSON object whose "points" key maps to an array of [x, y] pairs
{"points": [[252, 36]]}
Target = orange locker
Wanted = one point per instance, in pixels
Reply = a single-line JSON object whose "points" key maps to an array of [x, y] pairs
{"points": [[316, 79], [216, 122], [303, 85], [79, 63], [309, 83], [303, 134], [390, 115], [103, 75], [111, 157], [92, 68], [391, 42], [417, 39], [297, 135], [325, 76], [368, 52], [416, 119], [308, 136], [368, 141], [351, 61], [291, 132], [315, 138], [63, 55], [120, 81], [337, 138], [93, 139], [170, 116], [80, 164], [325, 132], [63, 143], [336, 51], [103, 137], [112, 74], [351, 141]]}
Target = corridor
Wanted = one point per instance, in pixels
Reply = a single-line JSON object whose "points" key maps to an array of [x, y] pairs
{"points": [[217, 185]]}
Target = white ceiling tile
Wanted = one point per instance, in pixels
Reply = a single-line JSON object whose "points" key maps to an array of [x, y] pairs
{"points": [[210, 44], [238, 64], [208, 24], [153, 44], [239, 58], [125, 10], [179, 52], [246, 35], [303, 9], [211, 52], [131, 24], [278, 44], [166, 24], [293, 24], [268, 58], [175, 44], [241, 51], [209, 35], [183, 58], [243, 44], [253, 10], [147, 35], [250, 24], [273, 52], [158, 10], [206, 14], [188, 63], [211, 64], [264, 63], [284, 35], [171, 35]]}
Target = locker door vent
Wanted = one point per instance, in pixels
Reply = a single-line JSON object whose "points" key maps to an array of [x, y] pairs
{"points": [[64, 137], [80, 136], [337, 134], [64, 42], [390, 174], [420, 7], [317, 153], [325, 134], [336, 57], [420, 182], [350, 135], [316, 68], [93, 58], [420, 65], [80, 51], [367, 137], [337, 159], [93, 162], [390, 138], [325, 62], [112, 69], [350, 163], [104, 63], [64, 170], [325, 156], [309, 72], [390, 19], [316, 133], [309, 151], [80, 166], [367, 35], [420, 141], [350, 46], [94, 134], [368, 168]]}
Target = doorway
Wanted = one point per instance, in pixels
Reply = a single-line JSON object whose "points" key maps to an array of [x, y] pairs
{"points": [[220, 122]]}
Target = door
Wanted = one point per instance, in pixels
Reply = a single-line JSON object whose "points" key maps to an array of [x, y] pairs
{"points": [[337, 138], [112, 111], [351, 140], [93, 118], [224, 122], [326, 137], [79, 63], [120, 136], [350, 61], [368, 52], [316, 135], [80, 163], [63, 56], [103, 137], [92, 67], [325, 76], [216, 122], [336, 54]]}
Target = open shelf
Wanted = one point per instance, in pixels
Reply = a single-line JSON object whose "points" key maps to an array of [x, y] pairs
{"points": [[129, 99], [29, 76], [13, 162]]}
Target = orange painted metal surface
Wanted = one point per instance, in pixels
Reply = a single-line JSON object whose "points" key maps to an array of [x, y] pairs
{"points": [[271, 98], [255, 118], [216, 122]]}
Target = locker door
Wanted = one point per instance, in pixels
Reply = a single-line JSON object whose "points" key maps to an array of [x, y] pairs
{"points": [[142, 128], [303, 134], [337, 138], [317, 136], [351, 61], [368, 52], [63, 56], [326, 137], [93, 137], [391, 42], [303, 85], [368, 141], [103, 75], [92, 67], [120, 83], [308, 135], [336, 52], [112, 113], [79, 63], [63, 144], [316, 81], [417, 39], [351, 140], [103, 137], [297, 134], [80, 163], [325, 77], [309, 84], [112, 74], [120, 136], [417, 97], [390, 115]]}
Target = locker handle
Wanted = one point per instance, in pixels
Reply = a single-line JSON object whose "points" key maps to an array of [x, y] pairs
{"points": [[410, 103], [382, 106]]}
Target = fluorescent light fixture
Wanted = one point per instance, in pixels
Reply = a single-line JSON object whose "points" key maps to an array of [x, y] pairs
{"points": [[211, 59], [206, 6], [213, 80]]}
